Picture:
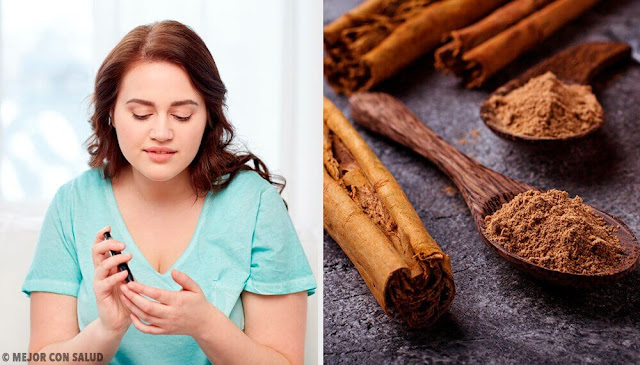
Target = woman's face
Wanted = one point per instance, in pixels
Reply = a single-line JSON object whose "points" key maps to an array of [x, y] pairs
{"points": [[158, 107]]}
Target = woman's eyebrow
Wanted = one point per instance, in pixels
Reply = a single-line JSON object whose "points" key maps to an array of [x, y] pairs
{"points": [[184, 102], [149, 103]]}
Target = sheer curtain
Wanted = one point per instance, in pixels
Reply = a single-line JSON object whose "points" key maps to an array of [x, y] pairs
{"points": [[268, 54]]}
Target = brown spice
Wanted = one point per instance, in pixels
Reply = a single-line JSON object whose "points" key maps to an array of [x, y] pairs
{"points": [[473, 138], [360, 189], [548, 108], [450, 190], [551, 230]]}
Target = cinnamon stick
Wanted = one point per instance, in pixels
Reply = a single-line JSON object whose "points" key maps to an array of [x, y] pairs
{"points": [[448, 58], [380, 37], [476, 65], [369, 216]]}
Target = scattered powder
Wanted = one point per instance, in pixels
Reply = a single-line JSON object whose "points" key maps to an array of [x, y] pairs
{"points": [[546, 107], [474, 138], [450, 190], [556, 232]]}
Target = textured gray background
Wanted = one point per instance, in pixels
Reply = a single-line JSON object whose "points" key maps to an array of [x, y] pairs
{"points": [[500, 315]]}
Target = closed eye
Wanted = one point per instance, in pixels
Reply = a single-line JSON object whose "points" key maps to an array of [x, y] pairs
{"points": [[182, 119], [141, 117]]}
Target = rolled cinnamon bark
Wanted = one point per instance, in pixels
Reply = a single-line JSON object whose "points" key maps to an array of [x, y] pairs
{"points": [[448, 58], [378, 38], [369, 216], [484, 60]]}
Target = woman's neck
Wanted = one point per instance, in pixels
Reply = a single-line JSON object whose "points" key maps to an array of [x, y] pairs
{"points": [[160, 194]]}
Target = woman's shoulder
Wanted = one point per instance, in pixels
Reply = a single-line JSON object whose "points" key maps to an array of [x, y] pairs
{"points": [[85, 183], [246, 184], [249, 180]]}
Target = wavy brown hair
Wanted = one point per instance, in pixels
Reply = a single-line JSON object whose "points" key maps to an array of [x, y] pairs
{"points": [[171, 41]]}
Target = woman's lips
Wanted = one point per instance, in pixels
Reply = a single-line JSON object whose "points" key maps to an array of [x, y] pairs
{"points": [[159, 157]]}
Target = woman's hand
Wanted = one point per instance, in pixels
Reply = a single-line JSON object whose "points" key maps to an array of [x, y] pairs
{"points": [[113, 314], [174, 312], [274, 324]]}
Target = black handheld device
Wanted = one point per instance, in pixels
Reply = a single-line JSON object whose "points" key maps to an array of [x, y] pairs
{"points": [[123, 266]]}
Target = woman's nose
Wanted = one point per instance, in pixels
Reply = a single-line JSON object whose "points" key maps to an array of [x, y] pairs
{"points": [[161, 129]]}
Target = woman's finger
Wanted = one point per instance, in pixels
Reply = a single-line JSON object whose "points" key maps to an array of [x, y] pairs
{"points": [[100, 250], [102, 271], [153, 330], [160, 295], [99, 238], [137, 311], [153, 308], [116, 278], [185, 281], [100, 234], [107, 285]]}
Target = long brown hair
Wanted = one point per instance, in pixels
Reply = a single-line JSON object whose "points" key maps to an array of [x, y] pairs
{"points": [[171, 41]]}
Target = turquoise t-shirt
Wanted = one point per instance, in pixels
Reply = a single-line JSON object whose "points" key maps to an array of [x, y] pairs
{"points": [[244, 241]]}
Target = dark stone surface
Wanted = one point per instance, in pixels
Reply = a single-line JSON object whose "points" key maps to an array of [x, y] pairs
{"points": [[500, 315]]}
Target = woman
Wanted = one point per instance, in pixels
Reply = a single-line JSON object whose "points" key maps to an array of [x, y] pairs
{"points": [[219, 273]]}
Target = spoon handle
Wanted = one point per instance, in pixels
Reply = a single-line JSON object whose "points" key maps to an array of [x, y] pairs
{"points": [[479, 185], [577, 64]]}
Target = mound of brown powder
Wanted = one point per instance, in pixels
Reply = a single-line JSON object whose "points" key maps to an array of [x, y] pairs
{"points": [[546, 107], [556, 232]]}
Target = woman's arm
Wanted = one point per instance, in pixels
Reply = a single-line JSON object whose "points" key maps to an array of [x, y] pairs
{"points": [[273, 334], [54, 328], [54, 321]]}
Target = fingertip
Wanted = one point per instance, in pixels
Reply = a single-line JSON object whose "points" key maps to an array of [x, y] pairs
{"points": [[122, 274]]}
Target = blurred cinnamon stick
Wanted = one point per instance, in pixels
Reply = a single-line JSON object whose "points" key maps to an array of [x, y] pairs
{"points": [[448, 58], [380, 37], [369, 216], [477, 52]]}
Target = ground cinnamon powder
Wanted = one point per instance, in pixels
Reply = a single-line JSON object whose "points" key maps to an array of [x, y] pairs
{"points": [[548, 108], [556, 232], [350, 176]]}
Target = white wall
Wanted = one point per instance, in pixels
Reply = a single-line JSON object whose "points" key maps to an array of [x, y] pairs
{"points": [[269, 56]]}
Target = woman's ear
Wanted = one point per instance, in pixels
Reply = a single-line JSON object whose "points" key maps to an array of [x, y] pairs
{"points": [[111, 121]]}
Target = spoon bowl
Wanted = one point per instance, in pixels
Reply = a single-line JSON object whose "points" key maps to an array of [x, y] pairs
{"points": [[576, 65], [624, 234], [484, 190]]}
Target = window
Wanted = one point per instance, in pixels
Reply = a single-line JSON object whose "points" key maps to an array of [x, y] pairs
{"points": [[45, 78], [49, 58]]}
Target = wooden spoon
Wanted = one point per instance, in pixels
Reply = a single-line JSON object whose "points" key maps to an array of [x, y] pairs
{"points": [[576, 65], [484, 190]]}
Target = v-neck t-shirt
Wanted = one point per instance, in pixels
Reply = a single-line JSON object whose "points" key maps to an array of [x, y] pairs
{"points": [[244, 241]]}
